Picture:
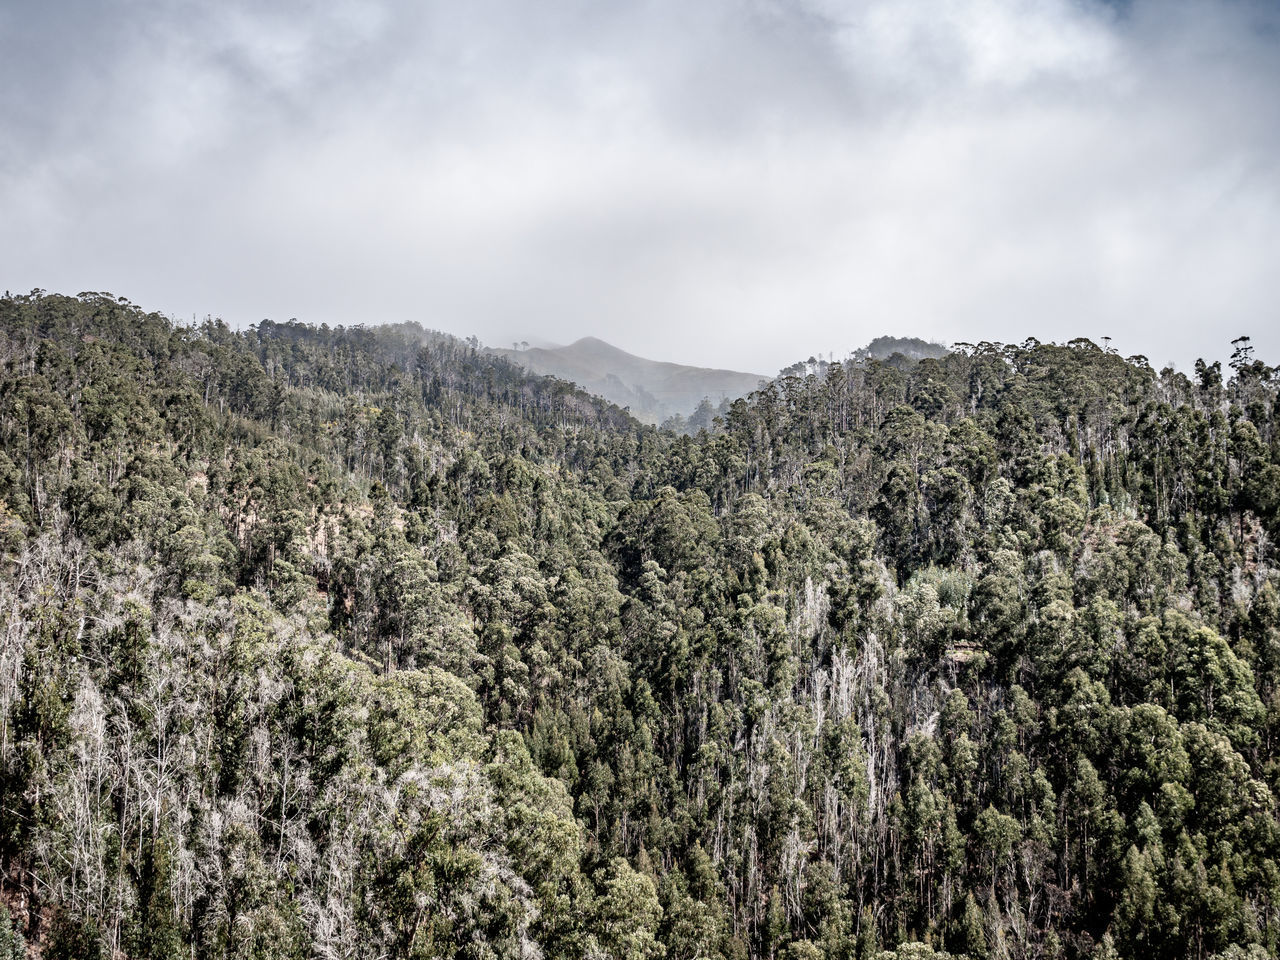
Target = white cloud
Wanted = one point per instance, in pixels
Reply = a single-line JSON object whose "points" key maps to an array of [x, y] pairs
{"points": [[732, 183]]}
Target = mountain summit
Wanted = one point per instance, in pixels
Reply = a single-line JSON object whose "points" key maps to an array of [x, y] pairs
{"points": [[654, 390]]}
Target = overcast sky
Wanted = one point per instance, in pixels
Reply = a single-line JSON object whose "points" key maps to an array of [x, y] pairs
{"points": [[736, 184]]}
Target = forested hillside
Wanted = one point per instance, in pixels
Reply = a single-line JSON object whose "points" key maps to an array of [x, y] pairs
{"points": [[360, 642]]}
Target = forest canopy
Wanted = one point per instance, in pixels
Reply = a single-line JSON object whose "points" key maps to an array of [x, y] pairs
{"points": [[364, 642]]}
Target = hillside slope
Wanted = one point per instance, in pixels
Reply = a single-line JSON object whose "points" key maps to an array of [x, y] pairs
{"points": [[363, 643], [652, 390]]}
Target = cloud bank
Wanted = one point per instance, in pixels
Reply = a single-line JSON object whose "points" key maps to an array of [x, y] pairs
{"points": [[728, 183]]}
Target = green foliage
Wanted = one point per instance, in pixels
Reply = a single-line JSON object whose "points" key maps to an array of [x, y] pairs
{"points": [[362, 642], [627, 913], [13, 945]]}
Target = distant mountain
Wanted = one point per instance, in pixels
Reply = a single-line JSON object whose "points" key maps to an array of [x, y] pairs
{"points": [[652, 389]]}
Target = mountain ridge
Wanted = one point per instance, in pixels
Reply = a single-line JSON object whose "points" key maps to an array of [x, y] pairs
{"points": [[653, 390]]}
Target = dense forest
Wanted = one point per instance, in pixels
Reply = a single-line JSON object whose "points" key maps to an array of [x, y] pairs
{"points": [[364, 643]]}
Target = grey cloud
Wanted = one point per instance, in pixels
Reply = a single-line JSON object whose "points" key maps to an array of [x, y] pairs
{"points": [[737, 183]]}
